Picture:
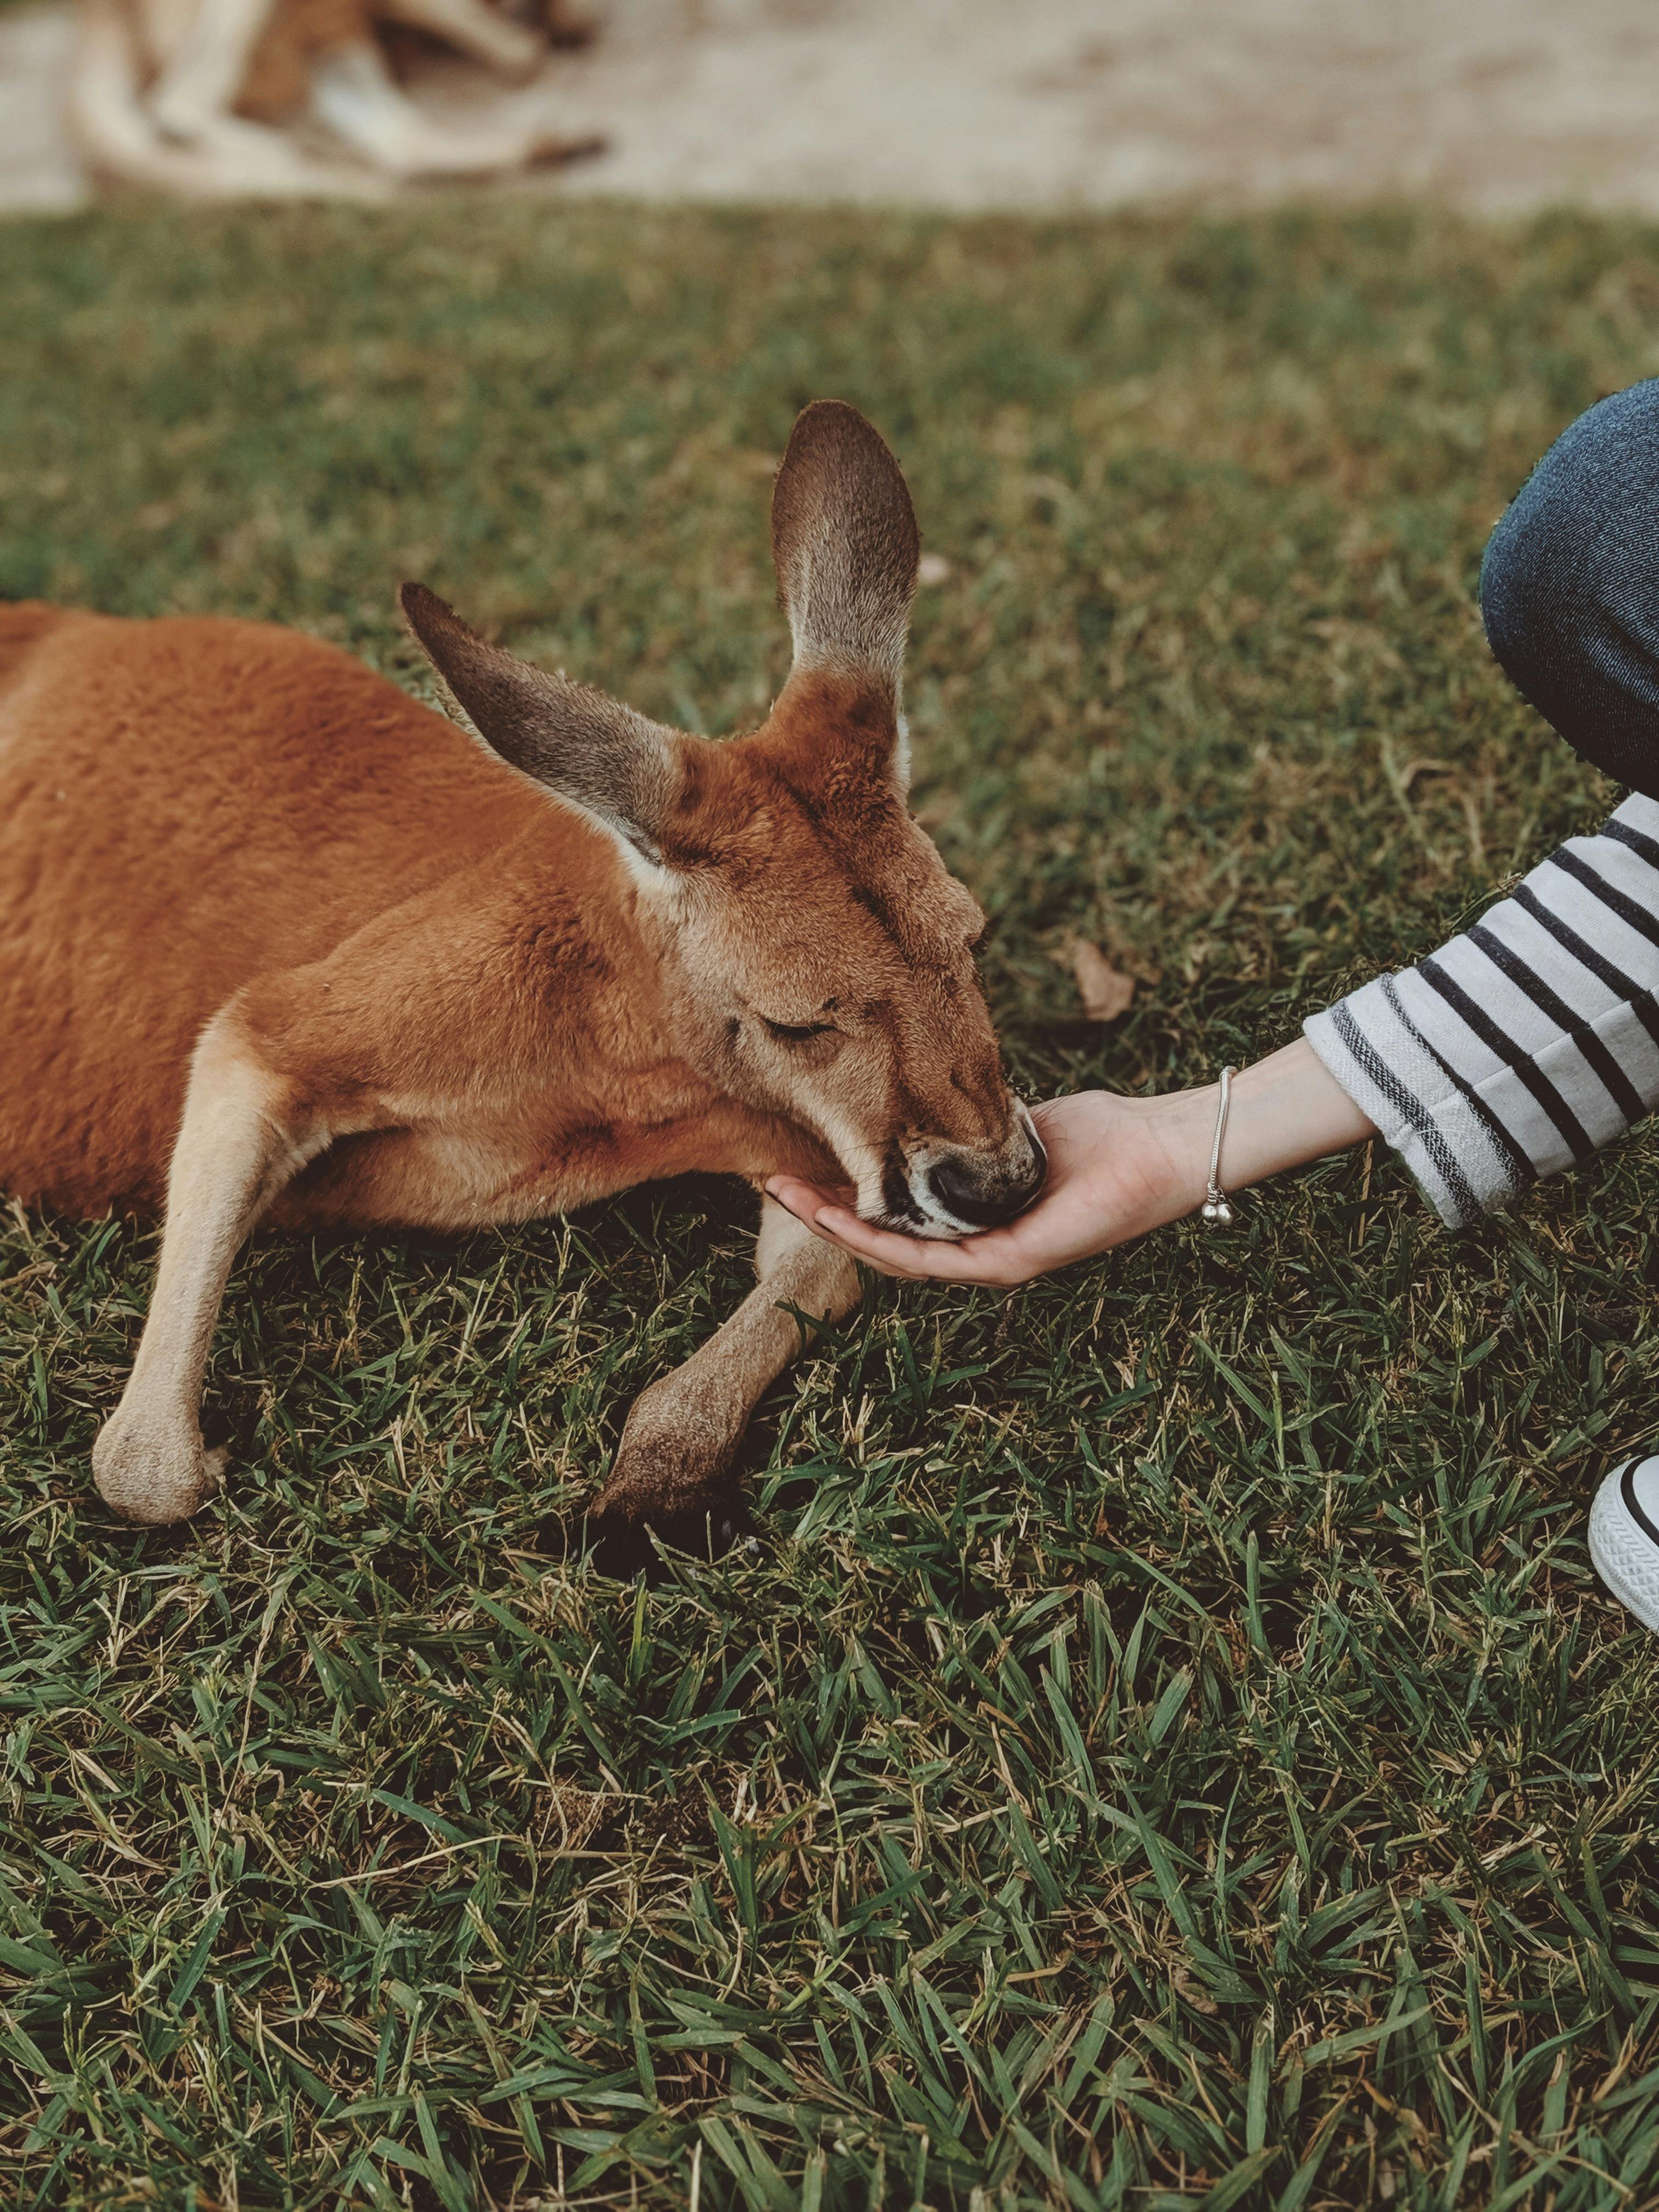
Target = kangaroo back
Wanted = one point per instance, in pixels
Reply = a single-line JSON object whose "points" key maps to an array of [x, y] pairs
{"points": [[186, 805]]}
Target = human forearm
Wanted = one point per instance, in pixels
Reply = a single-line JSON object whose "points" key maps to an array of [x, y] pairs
{"points": [[1529, 1040], [1285, 1110]]}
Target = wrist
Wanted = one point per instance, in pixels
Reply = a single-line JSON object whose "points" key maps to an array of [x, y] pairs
{"points": [[1285, 1110]]}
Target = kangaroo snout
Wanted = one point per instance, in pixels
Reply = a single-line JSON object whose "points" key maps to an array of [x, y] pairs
{"points": [[960, 1188]]}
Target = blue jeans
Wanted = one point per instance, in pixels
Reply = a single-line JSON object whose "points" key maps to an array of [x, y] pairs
{"points": [[1570, 588]]}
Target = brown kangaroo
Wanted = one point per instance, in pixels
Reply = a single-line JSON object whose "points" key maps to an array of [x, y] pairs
{"points": [[279, 938]]}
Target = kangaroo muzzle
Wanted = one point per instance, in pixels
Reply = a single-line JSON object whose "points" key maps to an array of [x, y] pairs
{"points": [[959, 1190]]}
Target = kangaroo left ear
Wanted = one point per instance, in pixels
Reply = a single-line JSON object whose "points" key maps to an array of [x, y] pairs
{"points": [[589, 749], [845, 545]]}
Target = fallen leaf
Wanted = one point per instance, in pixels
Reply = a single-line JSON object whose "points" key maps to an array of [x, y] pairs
{"points": [[1104, 990]]}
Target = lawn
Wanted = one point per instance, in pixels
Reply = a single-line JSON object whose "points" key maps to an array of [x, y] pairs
{"points": [[1169, 1747]]}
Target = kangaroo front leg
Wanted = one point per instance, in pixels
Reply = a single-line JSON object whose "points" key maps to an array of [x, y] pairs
{"points": [[238, 1145], [681, 1435]]}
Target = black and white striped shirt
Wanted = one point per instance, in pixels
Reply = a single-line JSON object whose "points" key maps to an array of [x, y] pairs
{"points": [[1527, 1041]]}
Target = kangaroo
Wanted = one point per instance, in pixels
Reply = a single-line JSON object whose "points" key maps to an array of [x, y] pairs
{"points": [[279, 942]]}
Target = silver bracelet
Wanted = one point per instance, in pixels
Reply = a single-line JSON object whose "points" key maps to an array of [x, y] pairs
{"points": [[1215, 1209]]}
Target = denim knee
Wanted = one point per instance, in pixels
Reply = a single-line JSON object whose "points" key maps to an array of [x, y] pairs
{"points": [[1570, 586]]}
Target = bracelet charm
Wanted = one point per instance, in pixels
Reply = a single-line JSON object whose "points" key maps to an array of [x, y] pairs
{"points": [[1216, 1211]]}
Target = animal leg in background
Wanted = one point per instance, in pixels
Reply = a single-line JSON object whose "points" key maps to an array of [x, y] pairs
{"points": [[238, 1146], [205, 152], [681, 1434], [355, 94], [200, 80], [472, 27]]}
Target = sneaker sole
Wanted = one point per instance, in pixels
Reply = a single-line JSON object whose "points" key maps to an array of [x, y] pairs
{"points": [[1623, 1546]]}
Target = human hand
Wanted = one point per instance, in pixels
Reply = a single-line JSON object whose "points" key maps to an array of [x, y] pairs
{"points": [[1117, 1167]]}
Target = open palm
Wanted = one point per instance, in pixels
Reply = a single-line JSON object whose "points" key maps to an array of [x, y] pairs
{"points": [[1117, 1167]]}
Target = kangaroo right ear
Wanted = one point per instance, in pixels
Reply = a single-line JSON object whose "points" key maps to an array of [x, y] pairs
{"points": [[845, 545], [589, 749]]}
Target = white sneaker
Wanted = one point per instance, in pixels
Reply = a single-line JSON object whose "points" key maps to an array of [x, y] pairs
{"points": [[1624, 1537]]}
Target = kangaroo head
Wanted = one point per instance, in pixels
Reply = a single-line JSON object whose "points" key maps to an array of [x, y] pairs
{"points": [[817, 955]]}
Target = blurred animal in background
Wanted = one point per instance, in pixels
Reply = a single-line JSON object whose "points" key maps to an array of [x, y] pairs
{"points": [[299, 98]]}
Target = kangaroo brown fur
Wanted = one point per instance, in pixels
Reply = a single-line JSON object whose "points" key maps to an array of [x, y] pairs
{"points": [[277, 941]]}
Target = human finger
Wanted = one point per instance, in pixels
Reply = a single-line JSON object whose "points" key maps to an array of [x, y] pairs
{"points": [[971, 1260]]}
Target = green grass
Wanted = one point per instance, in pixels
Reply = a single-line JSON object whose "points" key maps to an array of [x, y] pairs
{"points": [[1171, 1748]]}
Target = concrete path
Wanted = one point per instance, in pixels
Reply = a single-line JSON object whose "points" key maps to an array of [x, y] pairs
{"points": [[1494, 106]]}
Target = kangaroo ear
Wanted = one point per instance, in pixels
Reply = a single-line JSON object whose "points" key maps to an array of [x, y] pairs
{"points": [[589, 749], [845, 545]]}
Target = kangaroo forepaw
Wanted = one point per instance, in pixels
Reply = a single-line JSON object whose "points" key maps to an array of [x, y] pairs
{"points": [[671, 1477], [153, 1475], [619, 1538]]}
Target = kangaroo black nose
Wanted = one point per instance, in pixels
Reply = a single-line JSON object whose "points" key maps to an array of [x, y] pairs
{"points": [[987, 1204]]}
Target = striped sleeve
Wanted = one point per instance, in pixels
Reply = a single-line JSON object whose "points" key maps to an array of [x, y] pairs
{"points": [[1527, 1041]]}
